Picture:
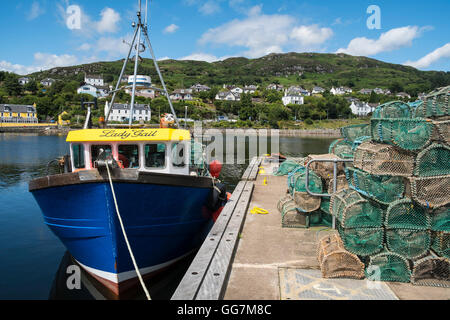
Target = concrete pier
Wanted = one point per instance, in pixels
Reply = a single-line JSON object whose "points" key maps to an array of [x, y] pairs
{"points": [[268, 262]]}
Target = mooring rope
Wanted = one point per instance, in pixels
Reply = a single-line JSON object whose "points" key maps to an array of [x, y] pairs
{"points": [[125, 236]]}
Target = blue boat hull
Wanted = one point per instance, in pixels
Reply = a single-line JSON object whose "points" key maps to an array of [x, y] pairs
{"points": [[163, 224]]}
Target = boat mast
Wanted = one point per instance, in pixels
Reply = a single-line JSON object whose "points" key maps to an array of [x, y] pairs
{"points": [[141, 27], [136, 63]]}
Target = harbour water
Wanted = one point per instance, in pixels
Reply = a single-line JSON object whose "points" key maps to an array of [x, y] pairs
{"points": [[32, 260]]}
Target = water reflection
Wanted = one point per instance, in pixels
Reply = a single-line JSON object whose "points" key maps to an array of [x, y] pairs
{"points": [[160, 287]]}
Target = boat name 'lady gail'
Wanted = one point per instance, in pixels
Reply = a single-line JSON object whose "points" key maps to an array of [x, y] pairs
{"points": [[124, 134]]}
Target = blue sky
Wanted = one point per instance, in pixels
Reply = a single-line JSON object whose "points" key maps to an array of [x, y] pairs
{"points": [[35, 34]]}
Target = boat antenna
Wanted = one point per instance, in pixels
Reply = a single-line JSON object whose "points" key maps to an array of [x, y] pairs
{"points": [[141, 28]]}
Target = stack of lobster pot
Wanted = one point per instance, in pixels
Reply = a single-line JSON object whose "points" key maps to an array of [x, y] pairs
{"points": [[396, 214]]}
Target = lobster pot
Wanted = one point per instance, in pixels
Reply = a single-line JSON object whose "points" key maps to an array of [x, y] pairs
{"points": [[431, 192], [440, 219], [408, 134], [431, 271], [306, 203], [353, 211], [332, 241], [411, 244], [325, 169], [404, 214], [327, 218], [341, 184], [383, 189], [298, 183], [315, 219], [342, 149], [336, 262], [441, 243], [443, 129], [325, 205], [382, 159], [292, 176], [286, 167], [353, 132], [285, 203], [388, 266], [293, 219], [360, 141], [392, 110], [435, 104], [433, 161], [362, 241]]}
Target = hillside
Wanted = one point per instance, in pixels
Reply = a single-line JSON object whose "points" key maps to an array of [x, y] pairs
{"points": [[306, 69]]}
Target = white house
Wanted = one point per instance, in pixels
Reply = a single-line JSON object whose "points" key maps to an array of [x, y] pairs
{"points": [[277, 87], [298, 90], [48, 82], [361, 109], [23, 81], [228, 96], [121, 112], [318, 90], [181, 94], [337, 91], [199, 88], [403, 95], [365, 91], [94, 80], [250, 89], [292, 98], [95, 91], [237, 90]]}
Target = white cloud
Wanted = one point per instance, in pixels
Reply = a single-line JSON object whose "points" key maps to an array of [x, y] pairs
{"points": [[48, 61], [114, 47], [389, 41], [109, 21], [16, 68], [201, 57], [438, 54], [85, 47], [42, 61], [171, 29], [263, 34], [209, 7], [35, 11], [311, 35]]}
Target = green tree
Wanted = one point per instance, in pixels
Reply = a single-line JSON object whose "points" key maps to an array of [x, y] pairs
{"points": [[12, 86], [32, 87], [374, 98]]}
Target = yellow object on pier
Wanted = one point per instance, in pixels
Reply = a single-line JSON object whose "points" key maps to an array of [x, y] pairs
{"points": [[257, 210]]}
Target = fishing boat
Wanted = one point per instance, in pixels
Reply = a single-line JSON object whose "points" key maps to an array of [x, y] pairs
{"points": [[131, 201]]}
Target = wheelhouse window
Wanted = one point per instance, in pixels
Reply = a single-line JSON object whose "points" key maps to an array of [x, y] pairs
{"points": [[96, 150], [178, 155], [78, 156], [155, 155], [129, 156]]}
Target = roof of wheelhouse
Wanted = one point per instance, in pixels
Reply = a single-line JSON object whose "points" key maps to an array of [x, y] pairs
{"points": [[127, 135]]}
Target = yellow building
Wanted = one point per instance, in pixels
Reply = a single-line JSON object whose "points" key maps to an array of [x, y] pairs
{"points": [[14, 113]]}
